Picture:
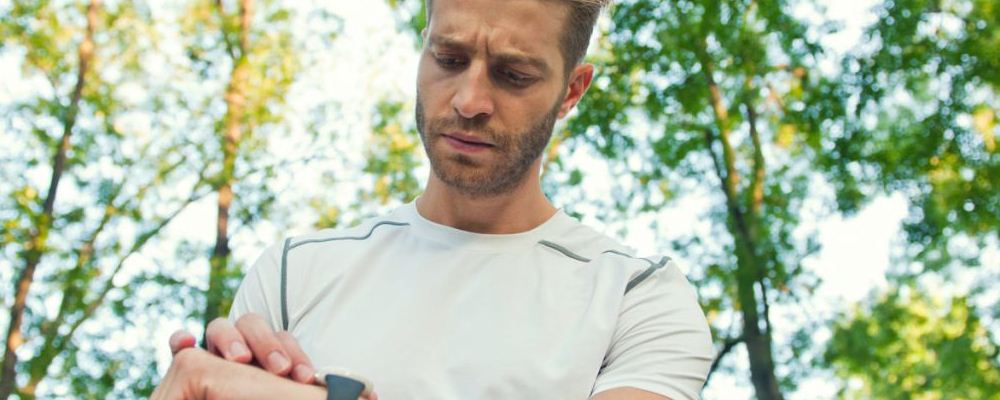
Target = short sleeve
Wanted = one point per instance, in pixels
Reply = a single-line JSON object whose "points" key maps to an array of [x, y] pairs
{"points": [[662, 343], [260, 290]]}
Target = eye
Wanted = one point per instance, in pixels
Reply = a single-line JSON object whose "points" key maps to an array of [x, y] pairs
{"points": [[516, 78], [449, 62]]}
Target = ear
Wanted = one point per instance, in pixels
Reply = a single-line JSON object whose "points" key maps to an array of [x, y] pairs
{"points": [[579, 80]]}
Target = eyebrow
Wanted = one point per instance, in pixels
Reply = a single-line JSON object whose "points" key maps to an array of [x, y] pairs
{"points": [[508, 58]]}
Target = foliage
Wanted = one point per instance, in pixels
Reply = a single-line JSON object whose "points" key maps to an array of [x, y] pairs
{"points": [[910, 345], [124, 180], [735, 104], [732, 104], [392, 157], [928, 89], [727, 100]]}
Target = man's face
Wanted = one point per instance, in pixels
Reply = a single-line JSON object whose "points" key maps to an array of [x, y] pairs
{"points": [[489, 90]]}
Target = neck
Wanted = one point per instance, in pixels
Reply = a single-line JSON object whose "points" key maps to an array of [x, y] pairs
{"points": [[519, 210]]}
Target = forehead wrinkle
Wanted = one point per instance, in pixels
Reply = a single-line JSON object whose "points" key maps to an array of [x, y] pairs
{"points": [[527, 28], [510, 55], [451, 42]]}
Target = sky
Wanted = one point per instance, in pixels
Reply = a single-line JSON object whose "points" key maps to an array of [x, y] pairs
{"points": [[368, 62]]}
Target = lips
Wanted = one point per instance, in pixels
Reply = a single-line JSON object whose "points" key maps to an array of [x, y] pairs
{"points": [[468, 144], [467, 139]]}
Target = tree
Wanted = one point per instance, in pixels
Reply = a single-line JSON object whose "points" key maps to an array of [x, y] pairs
{"points": [[81, 244], [158, 129], [736, 91], [38, 235], [731, 103], [928, 84], [909, 345], [261, 60], [730, 91]]}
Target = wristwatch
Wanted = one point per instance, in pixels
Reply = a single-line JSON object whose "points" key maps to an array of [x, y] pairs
{"points": [[342, 384]]}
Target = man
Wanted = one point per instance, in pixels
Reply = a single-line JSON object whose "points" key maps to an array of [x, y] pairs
{"points": [[480, 289]]}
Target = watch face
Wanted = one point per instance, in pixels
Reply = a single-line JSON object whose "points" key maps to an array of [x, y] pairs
{"points": [[322, 372]]}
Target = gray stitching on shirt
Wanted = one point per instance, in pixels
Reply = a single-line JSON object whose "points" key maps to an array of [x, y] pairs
{"points": [[563, 250], [568, 253], [627, 255], [350, 237], [289, 246], [645, 274], [284, 284]]}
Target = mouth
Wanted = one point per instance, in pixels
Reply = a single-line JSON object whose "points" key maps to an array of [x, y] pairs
{"points": [[466, 143]]}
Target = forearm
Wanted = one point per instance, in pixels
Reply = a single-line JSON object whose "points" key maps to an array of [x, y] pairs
{"points": [[627, 393], [198, 375], [240, 381]]}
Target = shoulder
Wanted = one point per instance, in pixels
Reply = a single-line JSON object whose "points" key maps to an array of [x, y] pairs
{"points": [[583, 243], [368, 230], [662, 342]]}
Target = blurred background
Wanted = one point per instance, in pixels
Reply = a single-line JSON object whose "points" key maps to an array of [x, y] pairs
{"points": [[825, 171]]}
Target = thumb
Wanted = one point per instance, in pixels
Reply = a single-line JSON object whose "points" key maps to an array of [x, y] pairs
{"points": [[181, 340]]}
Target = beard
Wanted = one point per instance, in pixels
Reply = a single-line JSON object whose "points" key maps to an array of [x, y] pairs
{"points": [[512, 155]]}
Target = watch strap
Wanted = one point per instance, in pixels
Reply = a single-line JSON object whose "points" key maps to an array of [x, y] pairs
{"points": [[343, 388]]}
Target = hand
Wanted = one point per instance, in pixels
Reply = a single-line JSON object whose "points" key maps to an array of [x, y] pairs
{"points": [[196, 374], [251, 340]]}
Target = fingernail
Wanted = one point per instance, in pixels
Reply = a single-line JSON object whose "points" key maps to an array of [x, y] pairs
{"points": [[174, 340], [303, 373], [237, 349], [278, 362]]}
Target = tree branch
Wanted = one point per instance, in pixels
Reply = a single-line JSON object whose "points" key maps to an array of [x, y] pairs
{"points": [[757, 182], [54, 343], [757, 200], [748, 257], [225, 31], [246, 16], [84, 256], [36, 244], [729, 179], [727, 346], [109, 283]]}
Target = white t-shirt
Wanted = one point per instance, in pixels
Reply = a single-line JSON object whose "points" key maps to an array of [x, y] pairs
{"points": [[426, 311]]}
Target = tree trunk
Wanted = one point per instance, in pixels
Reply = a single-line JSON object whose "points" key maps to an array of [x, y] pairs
{"points": [[757, 340], [35, 246], [233, 125], [742, 227]]}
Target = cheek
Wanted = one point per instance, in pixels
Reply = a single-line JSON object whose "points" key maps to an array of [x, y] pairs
{"points": [[434, 95], [523, 111]]}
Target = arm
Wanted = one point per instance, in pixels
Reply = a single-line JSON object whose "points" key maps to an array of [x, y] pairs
{"points": [[251, 334], [627, 394], [249, 341], [661, 347], [196, 374]]}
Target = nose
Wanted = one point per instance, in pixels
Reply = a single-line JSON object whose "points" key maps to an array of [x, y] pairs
{"points": [[472, 99]]}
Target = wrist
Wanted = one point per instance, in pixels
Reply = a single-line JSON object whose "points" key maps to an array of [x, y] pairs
{"points": [[227, 380], [342, 384]]}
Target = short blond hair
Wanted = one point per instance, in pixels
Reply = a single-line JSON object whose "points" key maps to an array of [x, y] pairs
{"points": [[576, 34]]}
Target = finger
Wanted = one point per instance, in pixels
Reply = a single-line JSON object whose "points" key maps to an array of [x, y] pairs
{"points": [[181, 340], [224, 339], [302, 370], [264, 344]]}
